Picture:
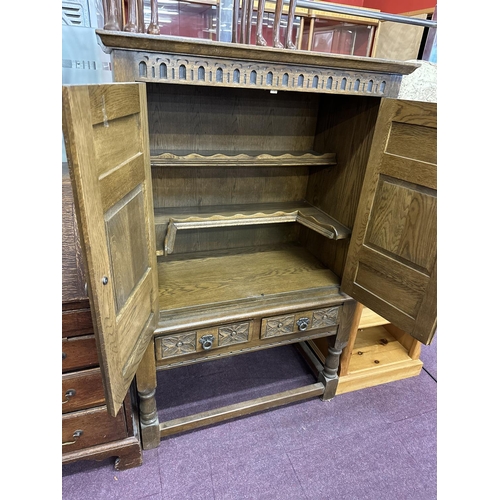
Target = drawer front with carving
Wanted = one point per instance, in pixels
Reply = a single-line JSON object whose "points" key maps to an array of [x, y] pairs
{"points": [[303, 321], [280, 325], [82, 390], [233, 334], [202, 340], [323, 318], [79, 353], [175, 345], [82, 429]]}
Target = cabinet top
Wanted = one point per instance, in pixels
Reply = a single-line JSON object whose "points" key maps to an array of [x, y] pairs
{"points": [[236, 51], [166, 59]]}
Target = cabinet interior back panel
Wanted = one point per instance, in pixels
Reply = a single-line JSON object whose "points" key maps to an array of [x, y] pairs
{"points": [[197, 187], [221, 238], [187, 118]]}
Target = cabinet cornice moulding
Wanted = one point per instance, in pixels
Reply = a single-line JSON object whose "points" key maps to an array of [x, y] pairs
{"points": [[167, 59], [210, 48]]}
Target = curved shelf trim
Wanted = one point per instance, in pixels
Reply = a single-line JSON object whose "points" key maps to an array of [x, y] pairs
{"points": [[169, 221], [245, 159]]}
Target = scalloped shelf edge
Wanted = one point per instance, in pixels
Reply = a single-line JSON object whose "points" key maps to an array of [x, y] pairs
{"points": [[308, 216], [261, 159]]}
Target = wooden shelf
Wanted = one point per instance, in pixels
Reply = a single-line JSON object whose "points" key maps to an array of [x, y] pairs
{"points": [[170, 220], [242, 159], [244, 276]]}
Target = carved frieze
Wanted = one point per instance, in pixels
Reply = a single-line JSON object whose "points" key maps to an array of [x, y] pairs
{"points": [[211, 71]]}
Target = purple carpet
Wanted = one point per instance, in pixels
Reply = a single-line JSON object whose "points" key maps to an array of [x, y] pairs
{"points": [[376, 443]]}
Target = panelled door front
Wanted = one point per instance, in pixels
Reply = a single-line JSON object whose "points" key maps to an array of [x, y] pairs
{"points": [[106, 136], [391, 263]]}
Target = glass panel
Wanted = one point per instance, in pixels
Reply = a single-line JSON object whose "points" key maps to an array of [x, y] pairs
{"points": [[322, 41], [187, 19], [340, 38]]}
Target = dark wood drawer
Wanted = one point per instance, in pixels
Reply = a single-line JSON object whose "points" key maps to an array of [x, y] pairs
{"points": [[303, 321], [79, 353], [77, 322], [202, 340], [86, 428], [82, 390]]}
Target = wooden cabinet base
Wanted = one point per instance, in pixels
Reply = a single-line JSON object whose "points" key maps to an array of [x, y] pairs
{"points": [[128, 452]]}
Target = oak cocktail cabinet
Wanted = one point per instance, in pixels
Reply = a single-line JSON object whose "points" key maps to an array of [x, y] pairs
{"points": [[233, 198]]}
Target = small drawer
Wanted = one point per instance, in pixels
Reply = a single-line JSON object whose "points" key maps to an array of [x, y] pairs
{"points": [[82, 390], [82, 429], [303, 321], [175, 345], [202, 340], [323, 318], [79, 353], [237, 333]]}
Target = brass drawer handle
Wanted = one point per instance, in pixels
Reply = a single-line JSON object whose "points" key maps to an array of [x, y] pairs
{"points": [[76, 435], [303, 324], [70, 393]]}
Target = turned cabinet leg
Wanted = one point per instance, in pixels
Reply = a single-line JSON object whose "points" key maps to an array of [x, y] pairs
{"points": [[150, 426], [146, 388], [329, 377], [345, 357]]}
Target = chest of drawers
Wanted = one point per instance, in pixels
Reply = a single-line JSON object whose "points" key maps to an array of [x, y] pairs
{"points": [[88, 430]]}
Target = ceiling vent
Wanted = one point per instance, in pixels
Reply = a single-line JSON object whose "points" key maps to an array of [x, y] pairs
{"points": [[75, 13]]}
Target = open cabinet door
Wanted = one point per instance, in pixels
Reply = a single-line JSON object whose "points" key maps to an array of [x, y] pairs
{"points": [[391, 263], [106, 136]]}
